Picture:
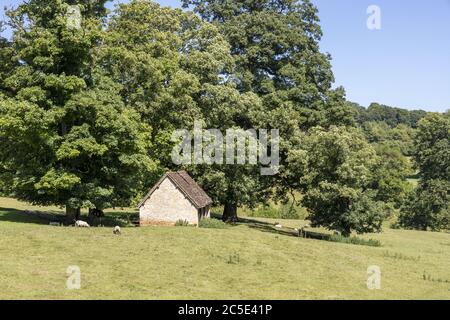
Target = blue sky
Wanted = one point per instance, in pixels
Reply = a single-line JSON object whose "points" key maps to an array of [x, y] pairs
{"points": [[405, 64]]}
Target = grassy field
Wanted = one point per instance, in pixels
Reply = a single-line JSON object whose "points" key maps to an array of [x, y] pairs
{"points": [[246, 261]]}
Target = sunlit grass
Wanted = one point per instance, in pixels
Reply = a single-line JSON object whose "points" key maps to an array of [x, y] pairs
{"points": [[238, 262]]}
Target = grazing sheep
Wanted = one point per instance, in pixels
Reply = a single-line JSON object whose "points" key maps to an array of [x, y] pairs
{"points": [[81, 224], [116, 230], [278, 226]]}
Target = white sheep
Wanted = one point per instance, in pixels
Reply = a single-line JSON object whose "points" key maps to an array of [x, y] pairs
{"points": [[116, 230], [81, 224], [278, 226]]}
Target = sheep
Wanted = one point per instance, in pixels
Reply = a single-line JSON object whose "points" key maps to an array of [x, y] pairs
{"points": [[81, 224], [278, 226], [116, 230]]}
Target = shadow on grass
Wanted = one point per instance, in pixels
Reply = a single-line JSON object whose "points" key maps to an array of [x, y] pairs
{"points": [[114, 218], [260, 225], [24, 216], [286, 231]]}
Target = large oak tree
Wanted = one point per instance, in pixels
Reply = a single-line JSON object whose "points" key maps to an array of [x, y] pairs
{"points": [[67, 136], [275, 46]]}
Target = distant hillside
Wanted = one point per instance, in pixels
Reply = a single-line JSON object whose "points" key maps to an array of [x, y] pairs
{"points": [[391, 115]]}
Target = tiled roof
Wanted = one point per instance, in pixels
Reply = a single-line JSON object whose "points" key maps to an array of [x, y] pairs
{"points": [[187, 186]]}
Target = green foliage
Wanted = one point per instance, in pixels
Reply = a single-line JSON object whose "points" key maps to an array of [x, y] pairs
{"points": [[181, 223], [86, 116], [68, 137], [284, 81], [268, 210], [391, 174], [335, 168], [400, 137], [432, 147], [287, 210], [390, 115], [394, 146], [213, 224], [175, 70], [429, 206], [290, 211]]}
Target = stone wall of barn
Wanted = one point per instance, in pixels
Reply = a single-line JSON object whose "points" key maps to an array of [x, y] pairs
{"points": [[166, 206]]}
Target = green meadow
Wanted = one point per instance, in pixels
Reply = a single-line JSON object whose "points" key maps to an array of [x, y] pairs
{"points": [[249, 260]]}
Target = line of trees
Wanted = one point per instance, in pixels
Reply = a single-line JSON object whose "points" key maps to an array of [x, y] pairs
{"points": [[86, 115], [428, 206], [390, 115]]}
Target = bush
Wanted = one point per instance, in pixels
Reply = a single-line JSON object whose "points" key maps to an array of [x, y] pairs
{"points": [[336, 167], [276, 211], [289, 211], [181, 223], [357, 209], [212, 223], [428, 207]]}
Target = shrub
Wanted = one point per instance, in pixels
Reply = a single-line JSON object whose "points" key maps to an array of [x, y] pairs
{"points": [[213, 223], [289, 211], [336, 166], [181, 223], [427, 207], [276, 211]]}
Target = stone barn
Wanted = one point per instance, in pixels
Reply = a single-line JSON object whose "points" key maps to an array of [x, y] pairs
{"points": [[176, 196]]}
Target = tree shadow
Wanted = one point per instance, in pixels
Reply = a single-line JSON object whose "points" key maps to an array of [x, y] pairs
{"points": [[307, 233], [284, 231], [114, 218], [26, 216]]}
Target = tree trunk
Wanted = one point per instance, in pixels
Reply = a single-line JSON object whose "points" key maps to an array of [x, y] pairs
{"points": [[63, 128], [94, 212], [72, 214], [346, 232], [230, 212]]}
